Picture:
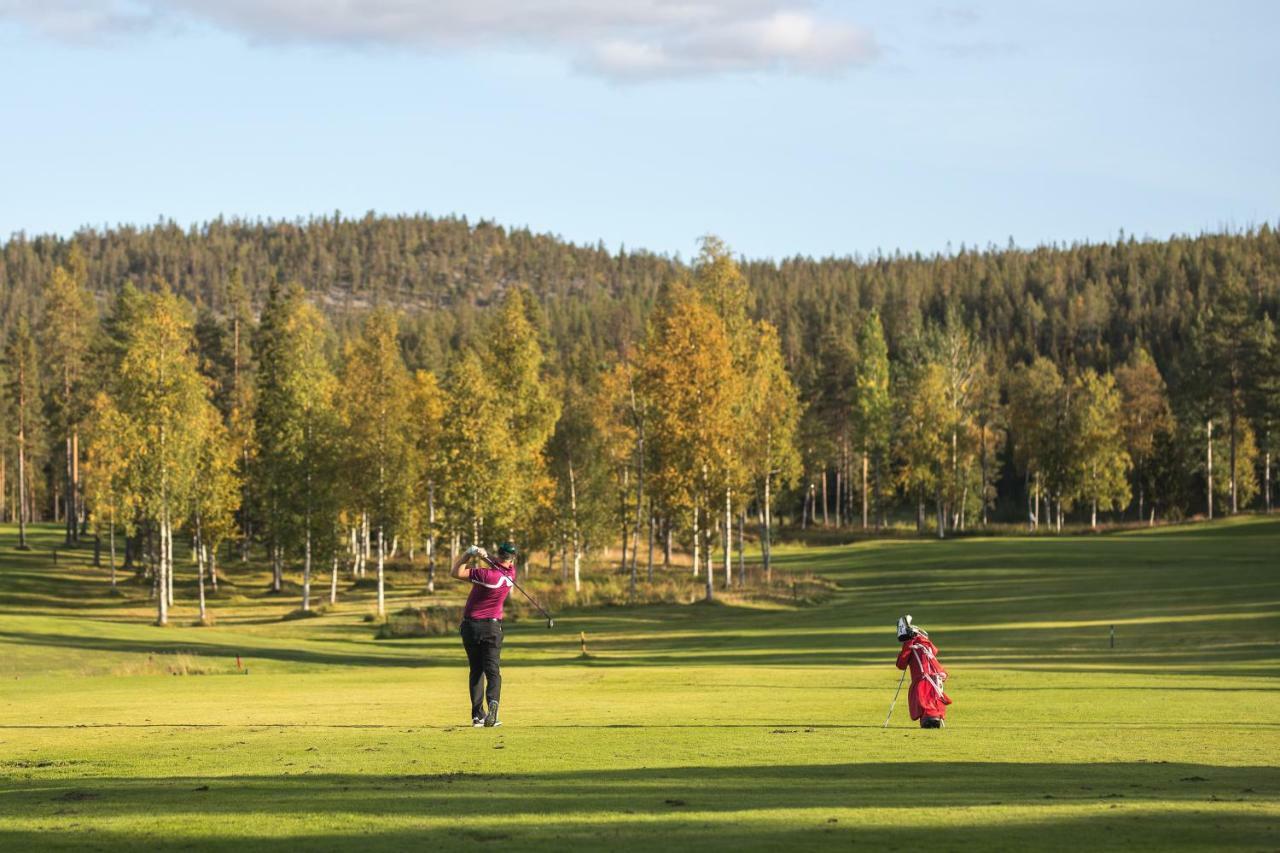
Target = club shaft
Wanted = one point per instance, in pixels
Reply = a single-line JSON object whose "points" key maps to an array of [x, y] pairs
{"points": [[494, 565]]}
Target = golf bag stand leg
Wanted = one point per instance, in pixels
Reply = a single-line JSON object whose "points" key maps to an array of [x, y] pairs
{"points": [[895, 700]]}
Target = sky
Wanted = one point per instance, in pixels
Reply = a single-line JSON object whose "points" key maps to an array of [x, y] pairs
{"points": [[787, 127]]}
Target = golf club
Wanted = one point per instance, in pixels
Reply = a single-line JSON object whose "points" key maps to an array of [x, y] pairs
{"points": [[551, 623], [894, 703]]}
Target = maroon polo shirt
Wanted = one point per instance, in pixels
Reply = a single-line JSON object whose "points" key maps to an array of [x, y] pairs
{"points": [[489, 590]]}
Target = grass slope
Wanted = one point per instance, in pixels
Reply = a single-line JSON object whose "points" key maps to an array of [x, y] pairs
{"points": [[724, 727]]}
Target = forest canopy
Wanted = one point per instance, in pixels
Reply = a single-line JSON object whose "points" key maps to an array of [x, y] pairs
{"points": [[428, 377]]}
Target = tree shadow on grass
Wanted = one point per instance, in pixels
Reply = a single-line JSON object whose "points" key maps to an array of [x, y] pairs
{"points": [[248, 652], [1067, 806]]}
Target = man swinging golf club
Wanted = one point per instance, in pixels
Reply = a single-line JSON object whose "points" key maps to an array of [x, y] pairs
{"points": [[482, 626], [926, 699]]}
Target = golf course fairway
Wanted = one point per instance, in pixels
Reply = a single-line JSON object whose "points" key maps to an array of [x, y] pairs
{"points": [[699, 726]]}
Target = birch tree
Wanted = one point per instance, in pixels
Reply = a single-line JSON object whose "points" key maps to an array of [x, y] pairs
{"points": [[427, 413], [872, 409], [512, 354], [1097, 442], [66, 328], [1036, 420], [584, 479], [687, 372], [774, 414], [161, 393], [720, 282], [1144, 415], [478, 460], [215, 497], [22, 389], [110, 444], [376, 392]]}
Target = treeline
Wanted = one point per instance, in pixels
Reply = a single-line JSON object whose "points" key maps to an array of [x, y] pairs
{"points": [[339, 391]]}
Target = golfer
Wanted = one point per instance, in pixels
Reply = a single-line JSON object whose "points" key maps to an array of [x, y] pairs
{"points": [[482, 627]]}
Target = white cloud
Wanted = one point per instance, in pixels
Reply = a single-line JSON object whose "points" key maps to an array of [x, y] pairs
{"points": [[618, 39], [785, 41]]}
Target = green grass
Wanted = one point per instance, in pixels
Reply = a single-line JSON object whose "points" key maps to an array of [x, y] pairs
{"points": [[722, 727]]}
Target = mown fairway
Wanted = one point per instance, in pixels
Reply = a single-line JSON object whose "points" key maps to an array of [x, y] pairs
{"points": [[720, 727]]}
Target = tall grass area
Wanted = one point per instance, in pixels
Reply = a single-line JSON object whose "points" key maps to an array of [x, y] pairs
{"points": [[750, 724]]}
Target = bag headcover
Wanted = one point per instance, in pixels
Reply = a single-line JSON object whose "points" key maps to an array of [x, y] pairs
{"points": [[905, 629]]}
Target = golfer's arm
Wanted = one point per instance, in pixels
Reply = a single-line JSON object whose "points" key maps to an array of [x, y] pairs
{"points": [[460, 570]]}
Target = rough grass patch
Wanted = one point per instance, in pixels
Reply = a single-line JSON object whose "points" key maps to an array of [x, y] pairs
{"points": [[170, 663], [420, 622]]}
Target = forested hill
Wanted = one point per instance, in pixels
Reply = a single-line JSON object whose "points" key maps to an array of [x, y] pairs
{"points": [[1081, 305]]}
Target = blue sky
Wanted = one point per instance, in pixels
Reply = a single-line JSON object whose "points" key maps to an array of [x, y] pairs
{"points": [[787, 127]]}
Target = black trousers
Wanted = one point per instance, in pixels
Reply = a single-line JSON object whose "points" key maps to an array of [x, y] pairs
{"points": [[483, 642]]}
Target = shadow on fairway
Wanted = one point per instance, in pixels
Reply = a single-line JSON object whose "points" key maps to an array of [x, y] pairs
{"points": [[218, 650], [1077, 806]]}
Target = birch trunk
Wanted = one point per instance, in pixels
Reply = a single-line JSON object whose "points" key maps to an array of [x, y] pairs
{"points": [[306, 570], [765, 532], [200, 560], [577, 539], [824, 498], [22, 476], [649, 568], [839, 492], [865, 493], [1209, 466], [728, 541], [710, 532], [1231, 427], [711, 594], [1266, 478], [162, 598], [111, 537], [333, 581], [169, 573], [69, 511], [696, 542], [942, 516], [431, 537], [382, 599], [742, 560]]}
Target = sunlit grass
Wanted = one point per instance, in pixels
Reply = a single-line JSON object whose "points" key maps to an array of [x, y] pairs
{"points": [[723, 726]]}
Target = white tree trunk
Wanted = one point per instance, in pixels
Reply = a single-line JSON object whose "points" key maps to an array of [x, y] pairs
{"points": [[306, 570], [382, 598], [162, 594], [742, 560], [728, 541], [169, 561], [1209, 465], [865, 495], [200, 562], [431, 537], [766, 532], [696, 542], [1266, 478], [333, 581], [710, 570], [111, 536]]}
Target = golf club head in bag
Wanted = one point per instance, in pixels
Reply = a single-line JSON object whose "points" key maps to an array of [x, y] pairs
{"points": [[906, 630]]}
